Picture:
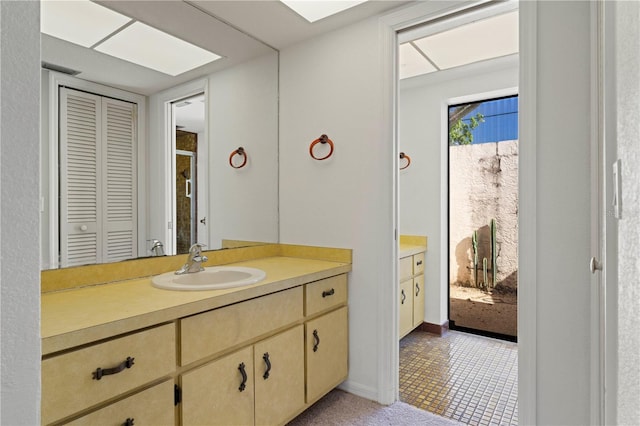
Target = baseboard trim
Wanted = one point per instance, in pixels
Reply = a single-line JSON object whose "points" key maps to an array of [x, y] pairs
{"points": [[360, 390], [434, 328]]}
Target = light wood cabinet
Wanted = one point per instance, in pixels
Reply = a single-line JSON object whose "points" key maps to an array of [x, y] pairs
{"points": [[221, 392], [151, 407], [260, 361], [327, 345], [79, 379], [279, 377], [411, 293]]}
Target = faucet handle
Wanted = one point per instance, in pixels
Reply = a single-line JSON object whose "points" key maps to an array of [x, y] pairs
{"points": [[196, 248]]}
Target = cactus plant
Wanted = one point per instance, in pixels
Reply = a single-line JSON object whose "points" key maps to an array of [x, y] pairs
{"points": [[484, 273], [494, 255], [474, 245]]}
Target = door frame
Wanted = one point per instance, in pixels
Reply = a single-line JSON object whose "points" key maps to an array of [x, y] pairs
{"points": [[389, 26]]}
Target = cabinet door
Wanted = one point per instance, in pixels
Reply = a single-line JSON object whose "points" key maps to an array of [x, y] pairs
{"points": [[418, 300], [327, 346], [152, 407], [279, 377], [406, 307], [214, 393]]}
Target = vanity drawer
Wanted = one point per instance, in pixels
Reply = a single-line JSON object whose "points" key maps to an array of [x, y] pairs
{"points": [[152, 407], [406, 268], [214, 331], [418, 263], [325, 294], [69, 382]]}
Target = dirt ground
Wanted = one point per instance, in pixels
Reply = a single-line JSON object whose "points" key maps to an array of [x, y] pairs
{"points": [[496, 312]]}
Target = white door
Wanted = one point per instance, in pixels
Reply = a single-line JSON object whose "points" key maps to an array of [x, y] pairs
{"points": [[98, 179]]}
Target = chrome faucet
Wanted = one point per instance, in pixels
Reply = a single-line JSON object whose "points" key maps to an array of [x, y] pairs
{"points": [[194, 261], [157, 249]]}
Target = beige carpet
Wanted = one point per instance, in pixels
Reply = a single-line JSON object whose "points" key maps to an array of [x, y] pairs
{"points": [[339, 408]]}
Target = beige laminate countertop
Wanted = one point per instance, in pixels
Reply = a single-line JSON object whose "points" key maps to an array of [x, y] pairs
{"points": [[79, 316], [410, 249]]}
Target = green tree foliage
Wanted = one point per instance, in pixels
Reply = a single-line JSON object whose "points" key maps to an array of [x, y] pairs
{"points": [[460, 132]]}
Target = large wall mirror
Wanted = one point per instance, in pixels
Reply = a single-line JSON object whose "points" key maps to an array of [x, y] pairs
{"points": [[135, 161]]}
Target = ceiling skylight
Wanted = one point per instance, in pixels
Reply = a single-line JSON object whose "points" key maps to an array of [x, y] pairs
{"points": [[80, 22], [91, 25], [151, 48], [481, 40], [412, 62], [490, 38], [314, 10]]}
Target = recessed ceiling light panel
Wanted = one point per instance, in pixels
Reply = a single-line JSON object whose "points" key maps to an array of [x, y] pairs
{"points": [[314, 10], [151, 48], [90, 21]]}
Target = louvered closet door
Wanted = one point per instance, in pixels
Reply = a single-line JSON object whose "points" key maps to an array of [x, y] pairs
{"points": [[80, 170], [119, 184], [98, 200]]}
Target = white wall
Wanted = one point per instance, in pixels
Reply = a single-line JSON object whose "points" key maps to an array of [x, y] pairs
{"points": [[243, 111], [333, 85], [422, 125], [19, 213], [628, 128]]}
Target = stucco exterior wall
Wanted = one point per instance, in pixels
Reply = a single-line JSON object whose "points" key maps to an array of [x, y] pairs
{"points": [[483, 186]]}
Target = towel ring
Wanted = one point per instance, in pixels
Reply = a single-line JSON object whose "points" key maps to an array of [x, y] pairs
{"points": [[403, 155], [322, 139], [240, 151]]}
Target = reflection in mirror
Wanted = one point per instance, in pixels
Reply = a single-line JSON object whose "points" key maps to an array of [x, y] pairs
{"points": [[238, 100], [190, 189]]}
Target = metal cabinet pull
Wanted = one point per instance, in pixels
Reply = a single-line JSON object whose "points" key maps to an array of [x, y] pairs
{"points": [[328, 293], [243, 385], [128, 422], [417, 289], [265, 357], [419, 262], [316, 340], [404, 297], [127, 363]]}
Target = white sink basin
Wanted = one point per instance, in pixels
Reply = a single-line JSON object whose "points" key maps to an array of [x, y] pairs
{"points": [[213, 278]]}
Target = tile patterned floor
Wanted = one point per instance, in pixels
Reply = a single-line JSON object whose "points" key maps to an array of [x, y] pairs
{"points": [[468, 378]]}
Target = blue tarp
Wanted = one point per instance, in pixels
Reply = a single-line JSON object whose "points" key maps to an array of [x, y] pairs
{"points": [[500, 120]]}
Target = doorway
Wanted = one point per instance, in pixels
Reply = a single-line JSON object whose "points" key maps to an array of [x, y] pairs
{"points": [[450, 61], [483, 216], [189, 148]]}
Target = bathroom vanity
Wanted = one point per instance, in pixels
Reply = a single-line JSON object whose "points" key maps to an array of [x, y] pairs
{"points": [[128, 353], [411, 292]]}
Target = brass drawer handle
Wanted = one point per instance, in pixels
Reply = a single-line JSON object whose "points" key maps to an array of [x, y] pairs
{"points": [[328, 293], [127, 363]]}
